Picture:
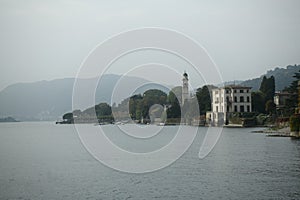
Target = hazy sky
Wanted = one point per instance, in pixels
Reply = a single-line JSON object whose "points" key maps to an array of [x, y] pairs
{"points": [[44, 40]]}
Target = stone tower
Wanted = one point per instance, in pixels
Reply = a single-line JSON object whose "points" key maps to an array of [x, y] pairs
{"points": [[185, 87]]}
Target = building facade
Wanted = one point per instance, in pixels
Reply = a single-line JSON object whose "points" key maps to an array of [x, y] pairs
{"points": [[226, 100], [280, 99]]}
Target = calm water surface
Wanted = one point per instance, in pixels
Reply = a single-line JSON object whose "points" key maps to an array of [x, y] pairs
{"points": [[47, 161]]}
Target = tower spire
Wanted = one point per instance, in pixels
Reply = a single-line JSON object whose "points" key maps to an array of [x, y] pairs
{"points": [[185, 87]]}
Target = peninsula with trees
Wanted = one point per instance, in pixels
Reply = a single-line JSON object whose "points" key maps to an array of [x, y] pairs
{"points": [[8, 119], [230, 105]]}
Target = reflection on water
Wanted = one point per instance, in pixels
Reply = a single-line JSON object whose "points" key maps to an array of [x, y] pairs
{"points": [[47, 161]]}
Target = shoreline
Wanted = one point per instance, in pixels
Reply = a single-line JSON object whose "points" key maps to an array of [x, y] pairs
{"points": [[282, 132]]}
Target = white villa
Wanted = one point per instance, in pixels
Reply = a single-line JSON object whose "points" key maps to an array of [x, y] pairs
{"points": [[228, 99]]}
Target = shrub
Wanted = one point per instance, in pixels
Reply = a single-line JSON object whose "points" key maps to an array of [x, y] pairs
{"points": [[295, 123]]}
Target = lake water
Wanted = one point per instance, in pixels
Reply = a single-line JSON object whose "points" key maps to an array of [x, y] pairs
{"points": [[48, 161]]}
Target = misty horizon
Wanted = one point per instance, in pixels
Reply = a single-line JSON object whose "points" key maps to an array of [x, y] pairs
{"points": [[45, 40], [175, 84]]}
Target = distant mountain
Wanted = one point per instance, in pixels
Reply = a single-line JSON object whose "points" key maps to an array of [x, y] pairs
{"points": [[235, 82], [8, 119], [283, 77], [48, 100]]}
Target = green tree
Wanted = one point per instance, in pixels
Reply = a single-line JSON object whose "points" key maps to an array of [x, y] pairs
{"points": [[174, 110], [267, 87], [68, 117], [175, 93], [77, 112], [271, 107], [271, 89], [292, 102], [103, 109], [138, 111], [135, 106], [258, 102], [263, 84], [139, 105], [155, 96], [204, 100]]}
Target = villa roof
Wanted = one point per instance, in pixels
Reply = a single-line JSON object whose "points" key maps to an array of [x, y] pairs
{"points": [[233, 87], [282, 93], [237, 87]]}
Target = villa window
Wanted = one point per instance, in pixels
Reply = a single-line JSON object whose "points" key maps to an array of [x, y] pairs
{"points": [[234, 91], [217, 108], [242, 109], [235, 108], [235, 99], [248, 99], [248, 108], [241, 99], [241, 91]]}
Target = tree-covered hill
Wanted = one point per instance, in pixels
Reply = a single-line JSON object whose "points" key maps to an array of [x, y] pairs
{"points": [[283, 78], [49, 100]]}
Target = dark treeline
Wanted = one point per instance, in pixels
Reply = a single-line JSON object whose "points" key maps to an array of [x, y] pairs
{"points": [[99, 113], [137, 107], [293, 101], [140, 105], [263, 100], [169, 106]]}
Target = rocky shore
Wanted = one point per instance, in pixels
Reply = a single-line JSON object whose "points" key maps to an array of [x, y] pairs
{"points": [[282, 132]]}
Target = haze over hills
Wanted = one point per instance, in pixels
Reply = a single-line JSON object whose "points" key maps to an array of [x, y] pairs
{"points": [[283, 77], [48, 100]]}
